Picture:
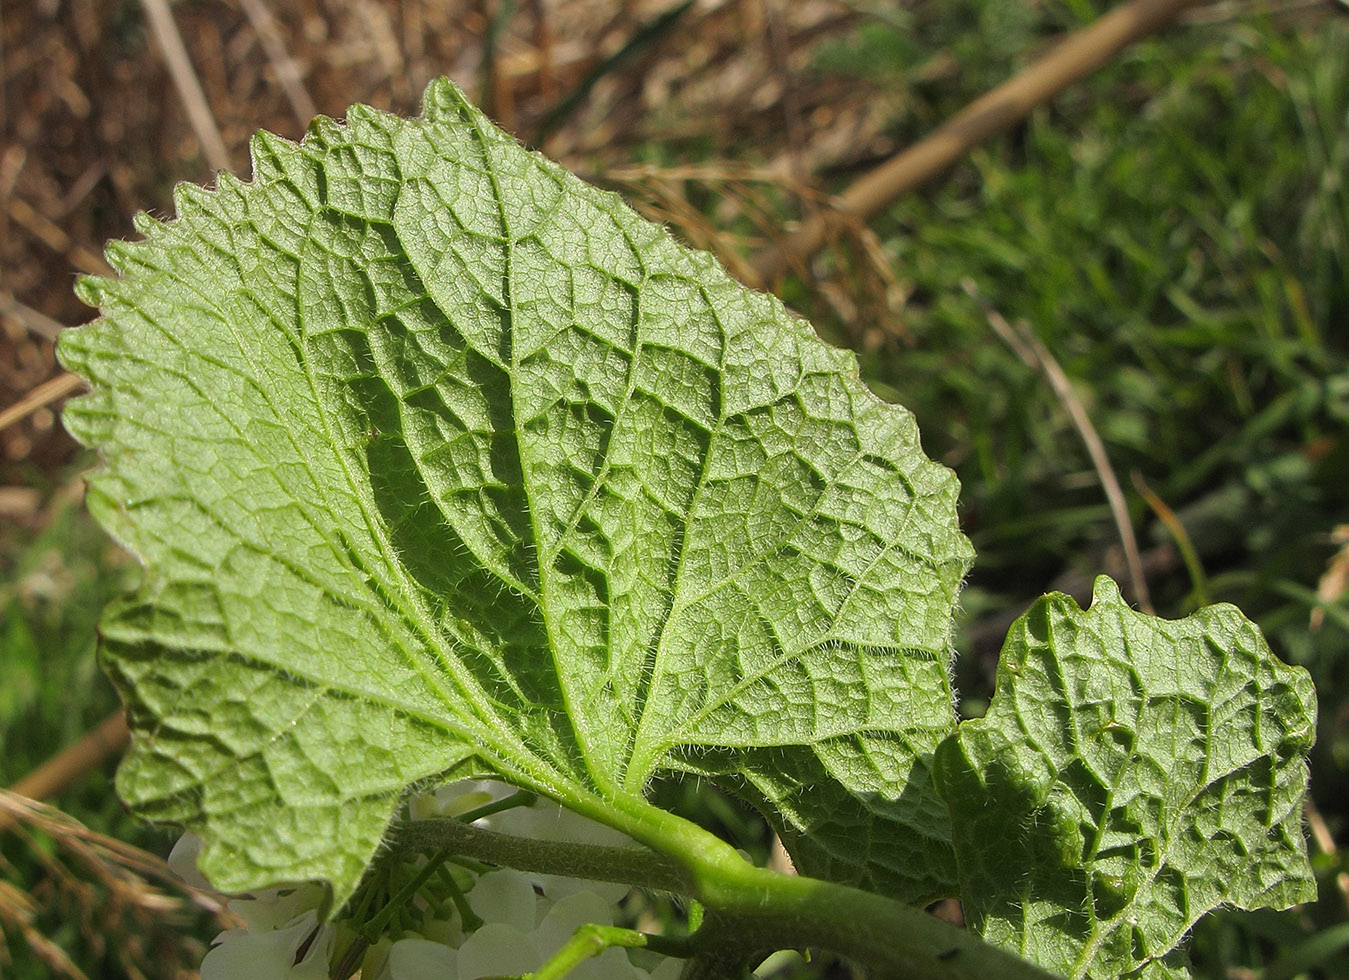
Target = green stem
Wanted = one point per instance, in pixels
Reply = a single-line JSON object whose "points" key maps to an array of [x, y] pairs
{"points": [[628, 865], [762, 909], [592, 940], [374, 928], [768, 910], [350, 958], [517, 799], [467, 917], [714, 966]]}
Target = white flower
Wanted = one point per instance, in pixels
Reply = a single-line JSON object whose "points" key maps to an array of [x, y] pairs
{"points": [[505, 896], [443, 931], [784, 961], [498, 950], [548, 821], [570, 914], [414, 958], [183, 861], [245, 954], [277, 908], [527, 918], [278, 924], [455, 799], [544, 820]]}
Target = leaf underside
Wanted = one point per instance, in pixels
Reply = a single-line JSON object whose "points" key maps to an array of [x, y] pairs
{"points": [[1131, 774], [440, 460]]}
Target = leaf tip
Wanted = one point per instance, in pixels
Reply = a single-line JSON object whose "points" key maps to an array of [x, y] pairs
{"points": [[1105, 591], [443, 100], [147, 224], [189, 200], [266, 153], [91, 291]]}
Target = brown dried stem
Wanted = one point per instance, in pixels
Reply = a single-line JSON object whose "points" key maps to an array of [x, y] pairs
{"points": [[185, 80], [287, 72], [1026, 345], [40, 397], [34, 321], [1079, 54], [96, 747], [122, 898], [1324, 841]]}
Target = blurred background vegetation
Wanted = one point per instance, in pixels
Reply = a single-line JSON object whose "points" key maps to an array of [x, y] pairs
{"points": [[1172, 233]]}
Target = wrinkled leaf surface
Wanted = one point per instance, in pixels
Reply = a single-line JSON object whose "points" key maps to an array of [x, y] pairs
{"points": [[440, 460], [1131, 774]]}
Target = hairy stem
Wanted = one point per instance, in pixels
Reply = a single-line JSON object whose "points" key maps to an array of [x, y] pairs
{"points": [[762, 909], [627, 865]]}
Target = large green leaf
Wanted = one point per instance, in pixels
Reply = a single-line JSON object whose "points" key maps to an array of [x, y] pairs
{"points": [[440, 459], [1130, 775]]}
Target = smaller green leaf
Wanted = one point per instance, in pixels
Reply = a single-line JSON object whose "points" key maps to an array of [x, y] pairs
{"points": [[1131, 774]]}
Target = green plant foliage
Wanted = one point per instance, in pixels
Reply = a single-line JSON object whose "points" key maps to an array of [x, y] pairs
{"points": [[1174, 231], [441, 461], [1131, 774]]}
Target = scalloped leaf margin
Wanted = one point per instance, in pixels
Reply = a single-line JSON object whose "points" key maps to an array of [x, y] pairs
{"points": [[1131, 774], [439, 459]]}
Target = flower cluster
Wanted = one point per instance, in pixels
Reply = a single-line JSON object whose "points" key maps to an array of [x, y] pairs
{"points": [[461, 924]]}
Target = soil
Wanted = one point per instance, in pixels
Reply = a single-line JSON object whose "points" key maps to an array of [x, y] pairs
{"points": [[95, 128]]}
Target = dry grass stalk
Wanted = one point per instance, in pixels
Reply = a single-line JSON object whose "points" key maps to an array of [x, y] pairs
{"points": [[749, 203], [1076, 56], [97, 746], [1324, 842], [1027, 346], [1334, 581], [18, 913], [50, 234], [188, 85], [40, 397], [287, 72], [31, 320], [95, 127], [127, 903]]}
